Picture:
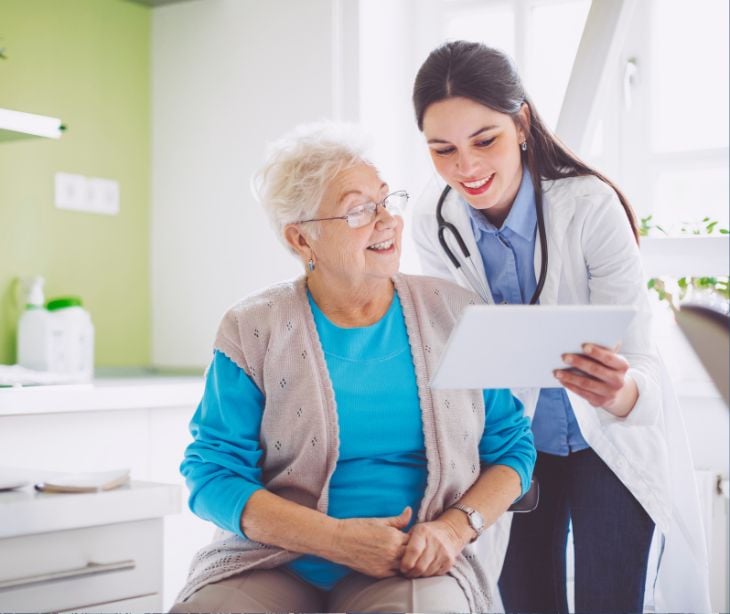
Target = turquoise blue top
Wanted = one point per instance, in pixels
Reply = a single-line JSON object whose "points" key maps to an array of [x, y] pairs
{"points": [[381, 467], [508, 257]]}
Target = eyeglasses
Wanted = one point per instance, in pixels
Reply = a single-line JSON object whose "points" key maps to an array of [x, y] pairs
{"points": [[364, 214]]}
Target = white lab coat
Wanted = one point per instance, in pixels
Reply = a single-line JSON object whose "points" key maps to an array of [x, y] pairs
{"points": [[593, 258]]}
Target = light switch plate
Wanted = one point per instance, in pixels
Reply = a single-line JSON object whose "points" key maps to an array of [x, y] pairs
{"points": [[102, 196], [90, 194], [70, 192]]}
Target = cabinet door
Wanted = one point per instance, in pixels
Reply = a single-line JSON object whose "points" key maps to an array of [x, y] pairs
{"points": [[145, 603], [64, 570]]}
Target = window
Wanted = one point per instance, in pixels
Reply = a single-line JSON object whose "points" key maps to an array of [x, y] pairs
{"points": [[554, 31], [662, 131], [492, 23], [541, 35], [673, 139]]}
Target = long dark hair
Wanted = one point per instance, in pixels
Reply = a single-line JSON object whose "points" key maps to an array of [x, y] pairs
{"points": [[489, 77]]}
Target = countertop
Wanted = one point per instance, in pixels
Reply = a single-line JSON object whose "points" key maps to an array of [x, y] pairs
{"points": [[25, 511], [111, 390]]}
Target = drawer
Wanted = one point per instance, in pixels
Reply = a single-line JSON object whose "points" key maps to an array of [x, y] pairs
{"points": [[64, 570], [146, 603]]}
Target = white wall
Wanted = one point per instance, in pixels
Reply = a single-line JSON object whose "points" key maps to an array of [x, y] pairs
{"points": [[394, 39], [227, 77]]}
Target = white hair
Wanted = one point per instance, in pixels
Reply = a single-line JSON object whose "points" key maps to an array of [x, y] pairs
{"points": [[299, 167]]}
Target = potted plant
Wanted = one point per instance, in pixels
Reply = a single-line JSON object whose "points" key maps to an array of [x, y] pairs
{"points": [[709, 289]]}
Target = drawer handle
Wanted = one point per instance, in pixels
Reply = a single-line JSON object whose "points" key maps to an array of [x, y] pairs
{"points": [[89, 569]]}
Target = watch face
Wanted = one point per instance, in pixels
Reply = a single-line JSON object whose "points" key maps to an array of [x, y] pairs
{"points": [[476, 521]]}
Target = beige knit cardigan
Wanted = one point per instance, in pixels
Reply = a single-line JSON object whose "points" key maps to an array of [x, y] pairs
{"points": [[271, 335]]}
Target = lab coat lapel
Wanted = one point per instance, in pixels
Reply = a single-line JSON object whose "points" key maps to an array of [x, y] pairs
{"points": [[458, 213], [558, 213]]}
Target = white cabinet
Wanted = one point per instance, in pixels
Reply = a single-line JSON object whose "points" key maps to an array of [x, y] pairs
{"points": [[138, 424], [73, 551], [146, 603]]}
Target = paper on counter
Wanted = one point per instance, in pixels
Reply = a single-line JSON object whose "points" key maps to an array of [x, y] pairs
{"points": [[15, 375], [85, 482]]}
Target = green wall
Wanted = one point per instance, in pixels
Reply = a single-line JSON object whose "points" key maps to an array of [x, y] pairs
{"points": [[87, 62]]}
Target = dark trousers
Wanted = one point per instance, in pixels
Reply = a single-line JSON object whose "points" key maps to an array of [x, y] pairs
{"points": [[611, 538]]}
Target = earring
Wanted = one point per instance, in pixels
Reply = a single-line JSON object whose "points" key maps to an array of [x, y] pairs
{"points": [[310, 265], [523, 145]]}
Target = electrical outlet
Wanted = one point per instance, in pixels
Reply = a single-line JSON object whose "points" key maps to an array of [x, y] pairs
{"points": [[102, 196], [90, 194], [70, 192]]}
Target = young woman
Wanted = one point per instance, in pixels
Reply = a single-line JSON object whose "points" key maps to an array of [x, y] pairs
{"points": [[543, 227]]}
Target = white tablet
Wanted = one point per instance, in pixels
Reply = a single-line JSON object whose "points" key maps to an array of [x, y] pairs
{"points": [[519, 346]]}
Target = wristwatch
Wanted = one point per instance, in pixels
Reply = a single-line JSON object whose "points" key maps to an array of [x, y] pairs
{"points": [[476, 520]]}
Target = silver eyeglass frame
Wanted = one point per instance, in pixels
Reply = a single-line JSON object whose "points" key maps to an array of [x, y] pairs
{"points": [[374, 210]]}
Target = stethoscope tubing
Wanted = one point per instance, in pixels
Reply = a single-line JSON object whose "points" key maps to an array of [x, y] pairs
{"points": [[476, 283]]}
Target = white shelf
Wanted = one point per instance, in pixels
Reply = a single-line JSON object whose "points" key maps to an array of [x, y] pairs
{"points": [[689, 256], [16, 124], [103, 395], [24, 512]]}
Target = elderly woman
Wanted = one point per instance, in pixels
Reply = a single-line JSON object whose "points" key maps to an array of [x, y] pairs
{"points": [[338, 479]]}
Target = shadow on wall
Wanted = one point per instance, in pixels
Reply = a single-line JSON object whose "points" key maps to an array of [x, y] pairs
{"points": [[10, 308]]}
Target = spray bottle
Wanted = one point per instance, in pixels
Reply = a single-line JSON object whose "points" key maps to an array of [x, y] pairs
{"points": [[34, 328]]}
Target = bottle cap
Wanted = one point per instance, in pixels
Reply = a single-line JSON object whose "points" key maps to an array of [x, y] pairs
{"points": [[62, 302]]}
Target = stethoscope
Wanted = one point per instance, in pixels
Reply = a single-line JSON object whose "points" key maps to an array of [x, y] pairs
{"points": [[470, 272]]}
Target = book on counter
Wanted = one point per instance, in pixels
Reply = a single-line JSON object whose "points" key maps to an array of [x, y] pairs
{"points": [[85, 482]]}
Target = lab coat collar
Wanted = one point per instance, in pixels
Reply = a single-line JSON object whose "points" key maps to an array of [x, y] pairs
{"points": [[558, 209], [521, 218]]}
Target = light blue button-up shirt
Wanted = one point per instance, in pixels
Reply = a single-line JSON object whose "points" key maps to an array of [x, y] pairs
{"points": [[508, 257]]}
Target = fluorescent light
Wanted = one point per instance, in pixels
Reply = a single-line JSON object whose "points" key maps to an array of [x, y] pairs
{"points": [[29, 123]]}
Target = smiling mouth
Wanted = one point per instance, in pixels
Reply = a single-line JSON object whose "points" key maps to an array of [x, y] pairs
{"points": [[479, 186], [382, 246]]}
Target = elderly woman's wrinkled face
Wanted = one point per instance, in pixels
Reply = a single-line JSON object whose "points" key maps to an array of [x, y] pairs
{"points": [[357, 254]]}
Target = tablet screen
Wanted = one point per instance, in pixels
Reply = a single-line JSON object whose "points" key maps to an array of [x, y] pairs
{"points": [[519, 346]]}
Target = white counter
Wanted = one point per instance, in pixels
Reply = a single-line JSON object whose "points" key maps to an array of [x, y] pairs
{"points": [[148, 392], [25, 511], [100, 552], [139, 422]]}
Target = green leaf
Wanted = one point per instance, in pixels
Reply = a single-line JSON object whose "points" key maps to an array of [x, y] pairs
{"points": [[724, 231], [651, 283], [645, 225], [706, 281], [682, 282]]}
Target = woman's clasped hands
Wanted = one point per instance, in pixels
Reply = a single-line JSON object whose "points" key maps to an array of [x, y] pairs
{"points": [[380, 548]]}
